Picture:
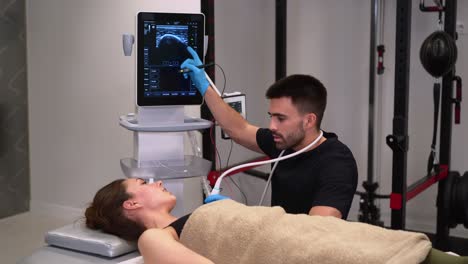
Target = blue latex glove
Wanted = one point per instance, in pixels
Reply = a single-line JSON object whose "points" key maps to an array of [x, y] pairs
{"points": [[215, 197], [197, 75]]}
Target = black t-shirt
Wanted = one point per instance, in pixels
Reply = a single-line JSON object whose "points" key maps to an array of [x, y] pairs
{"points": [[323, 176]]}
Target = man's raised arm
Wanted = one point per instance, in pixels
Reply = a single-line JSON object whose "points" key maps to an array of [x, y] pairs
{"points": [[241, 131]]}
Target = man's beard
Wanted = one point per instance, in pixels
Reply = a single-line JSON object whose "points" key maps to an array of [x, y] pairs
{"points": [[292, 140]]}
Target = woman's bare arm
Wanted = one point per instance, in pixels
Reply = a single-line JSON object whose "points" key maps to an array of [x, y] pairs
{"points": [[161, 246]]}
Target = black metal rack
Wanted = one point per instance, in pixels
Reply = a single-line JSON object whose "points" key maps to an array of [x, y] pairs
{"points": [[280, 47], [398, 141], [450, 19], [207, 8]]}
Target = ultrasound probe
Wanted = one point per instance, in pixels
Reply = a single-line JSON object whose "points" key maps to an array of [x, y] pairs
{"points": [[199, 67]]}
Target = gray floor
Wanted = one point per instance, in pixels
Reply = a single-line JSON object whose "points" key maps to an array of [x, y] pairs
{"points": [[23, 233]]}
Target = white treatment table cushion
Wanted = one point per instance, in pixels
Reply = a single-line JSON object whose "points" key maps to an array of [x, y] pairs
{"points": [[78, 237]]}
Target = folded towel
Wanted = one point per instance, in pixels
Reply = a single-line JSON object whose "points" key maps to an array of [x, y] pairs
{"points": [[230, 232]]}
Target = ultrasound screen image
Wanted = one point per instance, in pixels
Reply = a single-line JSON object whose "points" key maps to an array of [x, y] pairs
{"points": [[165, 48], [162, 41], [179, 32]]}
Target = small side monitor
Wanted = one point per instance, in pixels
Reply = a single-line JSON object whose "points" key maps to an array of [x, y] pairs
{"points": [[162, 40], [235, 100]]}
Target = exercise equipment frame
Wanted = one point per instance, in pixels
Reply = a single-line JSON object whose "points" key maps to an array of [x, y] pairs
{"points": [[398, 141]]}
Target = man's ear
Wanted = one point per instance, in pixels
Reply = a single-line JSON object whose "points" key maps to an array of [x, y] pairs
{"points": [[310, 120], [129, 205]]}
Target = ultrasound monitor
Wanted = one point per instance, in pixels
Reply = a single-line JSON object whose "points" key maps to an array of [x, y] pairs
{"points": [[162, 42]]}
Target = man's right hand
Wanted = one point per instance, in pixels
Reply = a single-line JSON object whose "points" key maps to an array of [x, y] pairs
{"points": [[197, 75]]}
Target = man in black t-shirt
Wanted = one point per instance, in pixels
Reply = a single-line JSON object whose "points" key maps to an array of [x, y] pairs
{"points": [[320, 181]]}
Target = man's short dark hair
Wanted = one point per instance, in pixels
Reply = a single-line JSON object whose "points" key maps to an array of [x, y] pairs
{"points": [[306, 92]]}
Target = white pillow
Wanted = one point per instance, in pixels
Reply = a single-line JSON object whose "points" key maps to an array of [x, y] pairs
{"points": [[78, 237]]}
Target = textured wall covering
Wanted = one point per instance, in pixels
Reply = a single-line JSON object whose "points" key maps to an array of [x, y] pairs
{"points": [[14, 157]]}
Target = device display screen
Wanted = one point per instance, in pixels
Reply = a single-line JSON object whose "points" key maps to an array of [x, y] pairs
{"points": [[162, 47]]}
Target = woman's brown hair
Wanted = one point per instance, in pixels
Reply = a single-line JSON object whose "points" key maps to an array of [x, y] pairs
{"points": [[106, 212]]}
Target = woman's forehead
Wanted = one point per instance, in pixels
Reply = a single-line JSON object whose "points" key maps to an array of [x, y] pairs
{"points": [[132, 182]]}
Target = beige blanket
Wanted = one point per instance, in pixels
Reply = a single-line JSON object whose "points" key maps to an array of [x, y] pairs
{"points": [[229, 232]]}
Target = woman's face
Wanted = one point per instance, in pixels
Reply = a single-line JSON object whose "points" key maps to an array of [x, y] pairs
{"points": [[150, 195]]}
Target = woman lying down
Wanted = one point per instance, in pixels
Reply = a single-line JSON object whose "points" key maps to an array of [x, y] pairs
{"points": [[230, 232]]}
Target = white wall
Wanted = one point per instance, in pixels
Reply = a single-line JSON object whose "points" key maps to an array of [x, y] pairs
{"points": [[79, 84], [244, 40], [329, 40], [244, 44]]}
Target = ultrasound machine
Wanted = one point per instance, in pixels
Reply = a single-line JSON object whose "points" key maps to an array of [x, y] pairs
{"points": [[160, 125]]}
